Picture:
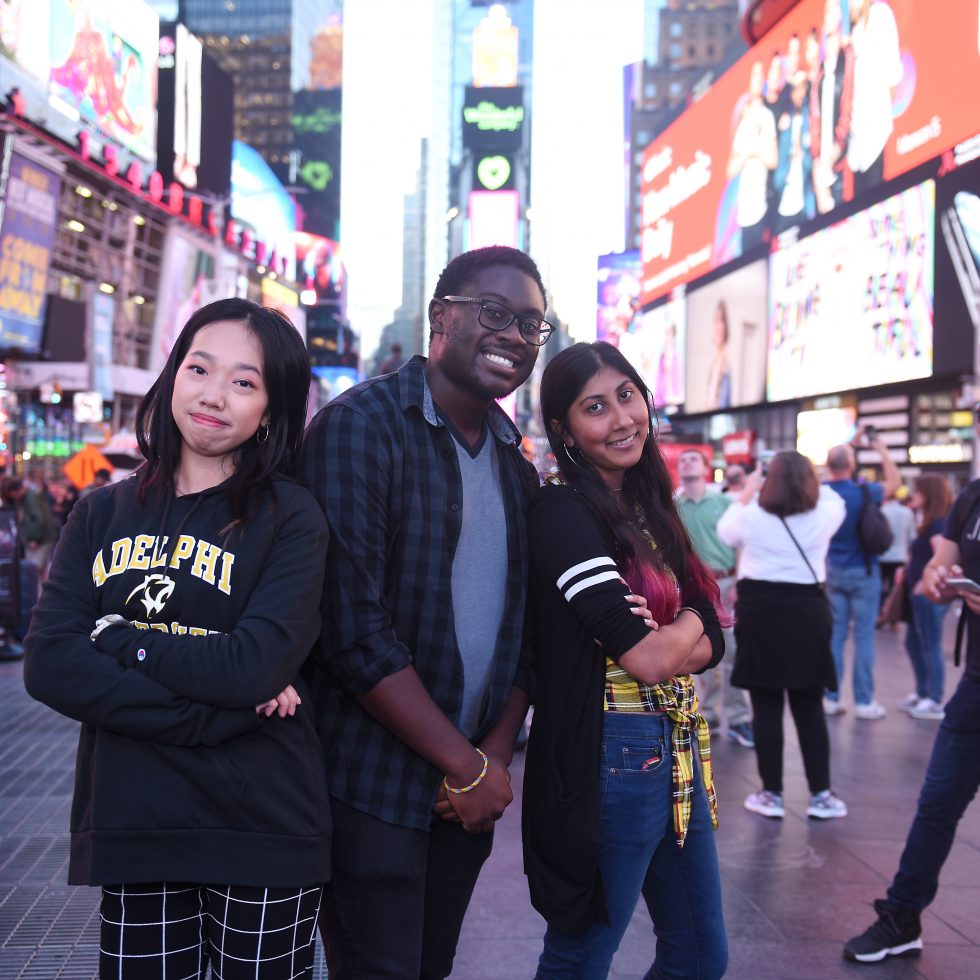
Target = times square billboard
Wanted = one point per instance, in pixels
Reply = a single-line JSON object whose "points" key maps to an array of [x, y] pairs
{"points": [[85, 66], [822, 110]]}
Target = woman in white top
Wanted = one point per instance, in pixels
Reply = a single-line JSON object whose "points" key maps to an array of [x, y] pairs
{"points": [[783, 622]]}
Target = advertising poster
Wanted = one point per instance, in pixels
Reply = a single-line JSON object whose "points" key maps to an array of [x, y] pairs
{"points": [[187, 282], [27, 232], [261, 204], [618, 294], [840, 96], [852, 305], [654, 345], [319, 266], [726, 341], [103, 68]]}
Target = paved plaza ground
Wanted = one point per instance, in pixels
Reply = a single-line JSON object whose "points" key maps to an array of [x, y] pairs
{"points": [[794, 889]]}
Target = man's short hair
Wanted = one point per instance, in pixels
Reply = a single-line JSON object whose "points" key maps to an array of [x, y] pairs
{"points": [[841, 459], [464, 269]]}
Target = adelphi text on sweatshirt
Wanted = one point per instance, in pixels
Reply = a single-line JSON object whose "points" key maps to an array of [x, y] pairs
{"points": [[177, 777]]}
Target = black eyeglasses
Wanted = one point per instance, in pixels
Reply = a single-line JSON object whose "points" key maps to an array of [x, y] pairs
{"points": [[496, 316]]}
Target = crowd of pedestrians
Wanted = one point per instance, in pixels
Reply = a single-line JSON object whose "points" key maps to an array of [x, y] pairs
{"points": [[302, 661]]}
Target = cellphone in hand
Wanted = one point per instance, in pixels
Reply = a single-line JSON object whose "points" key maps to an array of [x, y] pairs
{"points": [[870, 432], [963, 584]]}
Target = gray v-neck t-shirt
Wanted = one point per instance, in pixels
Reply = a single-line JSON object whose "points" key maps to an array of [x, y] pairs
{"points": [[479, 575]]}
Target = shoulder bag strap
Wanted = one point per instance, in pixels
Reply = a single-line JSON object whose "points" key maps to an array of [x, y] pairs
{"points": [[800, 550]]}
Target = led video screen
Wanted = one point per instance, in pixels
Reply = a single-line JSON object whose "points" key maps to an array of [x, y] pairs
{"points": [[839, 97], [726, 341], [654, 345], [852, 305]]}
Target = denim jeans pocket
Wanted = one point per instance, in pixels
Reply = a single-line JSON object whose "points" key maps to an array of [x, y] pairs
{"points": [[635, 756]]}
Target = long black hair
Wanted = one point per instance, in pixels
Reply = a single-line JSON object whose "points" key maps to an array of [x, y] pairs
{"points": [[647, 485], [286, 377]]}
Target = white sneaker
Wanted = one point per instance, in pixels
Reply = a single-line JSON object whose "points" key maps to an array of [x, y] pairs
{"points": [[826, 806], [908, 702], [869, 712], [928, 709], [766, 803], [833, 707]]}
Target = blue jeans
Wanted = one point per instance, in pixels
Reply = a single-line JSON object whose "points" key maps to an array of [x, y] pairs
{"points": [[855, 596], [923, 641], [951, 783], [639, 856]]}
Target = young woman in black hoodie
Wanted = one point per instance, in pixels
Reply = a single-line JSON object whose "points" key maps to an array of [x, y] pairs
{"points": [[179, 608]]}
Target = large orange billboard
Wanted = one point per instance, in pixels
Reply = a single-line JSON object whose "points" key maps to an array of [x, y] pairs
{"points": [[840, 96]]}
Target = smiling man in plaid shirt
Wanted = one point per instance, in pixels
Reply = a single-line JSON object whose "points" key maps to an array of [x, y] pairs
{"points": [[421, 690]]}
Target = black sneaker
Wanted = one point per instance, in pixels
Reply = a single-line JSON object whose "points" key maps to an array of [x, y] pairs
{"points": [[894, 934]]}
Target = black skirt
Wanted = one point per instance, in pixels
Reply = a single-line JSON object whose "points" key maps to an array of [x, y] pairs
{"points": [[782, 636]]}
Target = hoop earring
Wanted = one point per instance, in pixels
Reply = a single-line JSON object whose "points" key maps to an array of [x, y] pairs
{"points": [[569, 455], [262, 434]]}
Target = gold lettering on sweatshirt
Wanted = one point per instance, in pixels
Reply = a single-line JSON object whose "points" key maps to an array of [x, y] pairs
{"points": [[205, 561], [209, 562]]}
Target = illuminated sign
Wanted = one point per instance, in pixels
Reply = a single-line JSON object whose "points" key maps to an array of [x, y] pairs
{"points": [[819, 112], [955, 452], [493, 219], [316, 142], [493, 118], [851, 306], [495, 173], [27, 233], [495, 50]]}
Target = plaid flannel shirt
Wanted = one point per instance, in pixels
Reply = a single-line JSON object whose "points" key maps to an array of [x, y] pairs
{"points": [[384, 468]]}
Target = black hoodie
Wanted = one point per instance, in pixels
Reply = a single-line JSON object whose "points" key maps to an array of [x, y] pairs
{"points": [[177, 778]]}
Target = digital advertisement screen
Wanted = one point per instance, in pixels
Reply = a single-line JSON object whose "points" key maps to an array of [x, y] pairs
{"points": [[260, 203], [493, 118], [316, 136], [852, 305], [618, 294], [319, 266], [85, 65], [194, 134], [27, 233], [493, 218], [654, 345], [957, 268], [837, 98], [103, 68], [726, 341]]}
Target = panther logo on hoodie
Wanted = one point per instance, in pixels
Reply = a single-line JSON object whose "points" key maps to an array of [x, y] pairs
{"points": [[156, 589]]}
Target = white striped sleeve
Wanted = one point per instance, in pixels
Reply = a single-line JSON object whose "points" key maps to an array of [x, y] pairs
{"points": [[586, 575]]}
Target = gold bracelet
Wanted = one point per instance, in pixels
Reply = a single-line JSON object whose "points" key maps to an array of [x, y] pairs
{"points": [[476, 782]]}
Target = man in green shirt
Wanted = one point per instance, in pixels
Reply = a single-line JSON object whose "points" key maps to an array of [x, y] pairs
{"points": [[700, 510]]}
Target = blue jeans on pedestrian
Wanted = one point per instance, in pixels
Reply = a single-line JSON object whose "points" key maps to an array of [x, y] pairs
{"points": [[854, 597], [923, 641], [951, 783], [639, 856]]}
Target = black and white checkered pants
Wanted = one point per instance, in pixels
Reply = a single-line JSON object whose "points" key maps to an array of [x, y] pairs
{"points": [[174, 931]]}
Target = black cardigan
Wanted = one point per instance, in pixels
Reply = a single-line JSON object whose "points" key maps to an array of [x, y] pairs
{"points": [[576, 599]]}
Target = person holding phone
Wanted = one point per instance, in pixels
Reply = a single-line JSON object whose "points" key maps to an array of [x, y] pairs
{"points": [[181, 604], [931, 500], [953, 777]]}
